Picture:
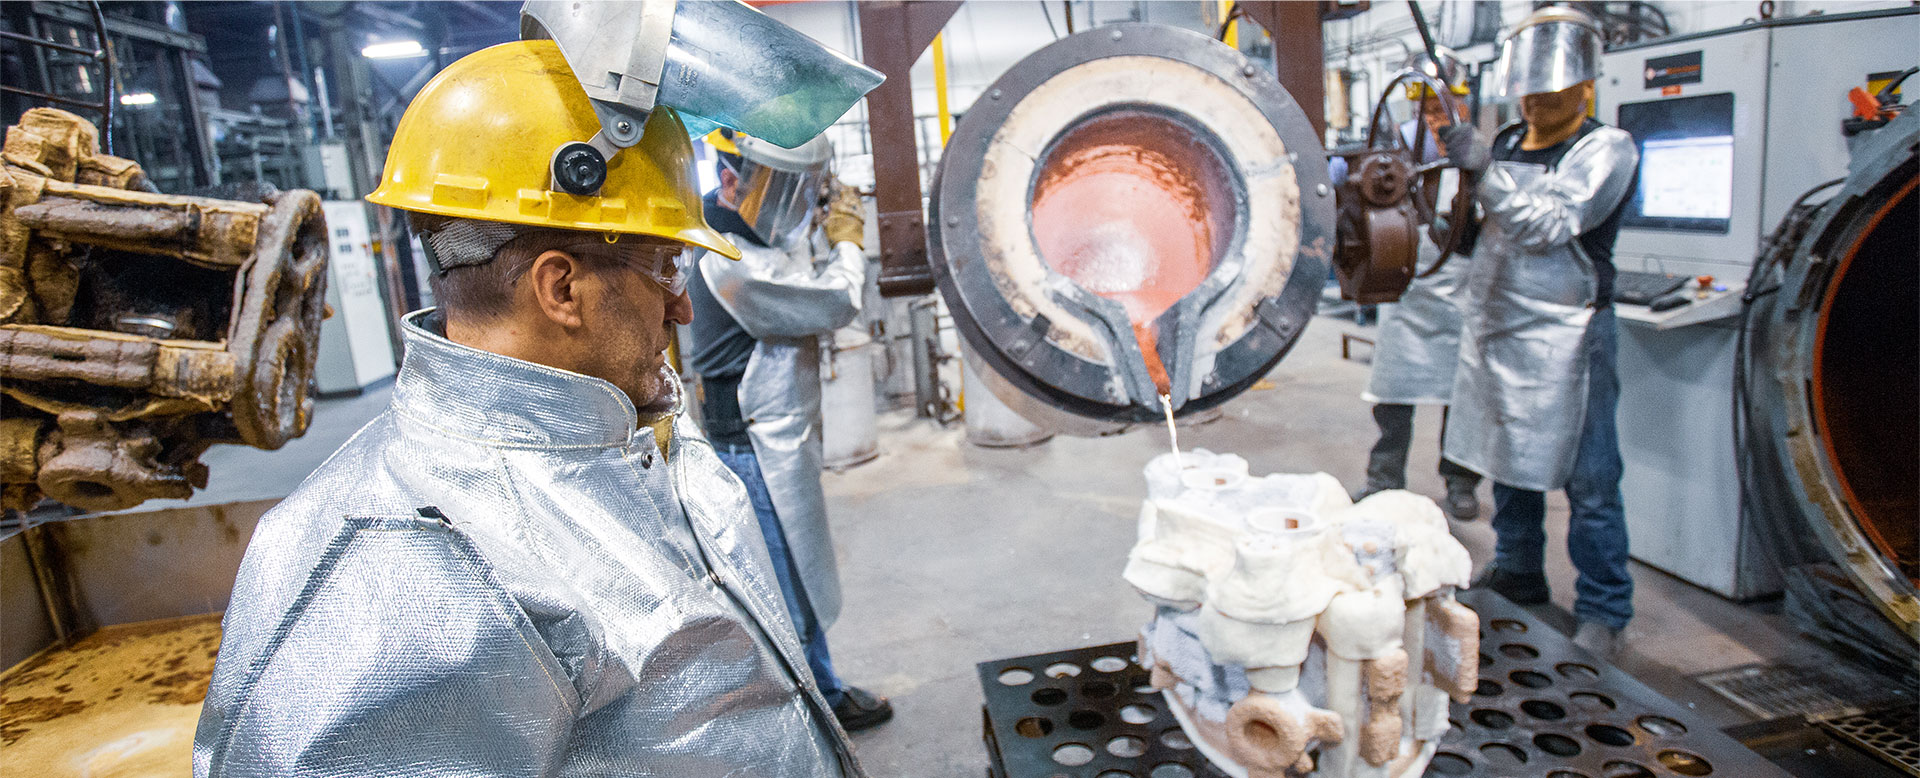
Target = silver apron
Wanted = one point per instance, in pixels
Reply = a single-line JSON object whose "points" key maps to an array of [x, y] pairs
{"points": [[585, 607], [1419, 337], [787, 305], [1520, 392]]}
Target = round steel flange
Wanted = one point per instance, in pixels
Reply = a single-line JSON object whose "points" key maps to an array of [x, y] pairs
{"points": [[1845, 325], [1130, 184]]}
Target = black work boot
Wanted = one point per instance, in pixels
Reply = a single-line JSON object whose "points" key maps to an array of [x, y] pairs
{"points": [[1521, 588], [859, 709], [1462, 503]]}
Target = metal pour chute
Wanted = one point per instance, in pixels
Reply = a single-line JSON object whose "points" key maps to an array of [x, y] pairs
{"points": [[1131, 212]]}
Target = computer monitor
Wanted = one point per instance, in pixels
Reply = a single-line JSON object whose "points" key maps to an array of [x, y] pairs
{"points": [[1686, 163]]}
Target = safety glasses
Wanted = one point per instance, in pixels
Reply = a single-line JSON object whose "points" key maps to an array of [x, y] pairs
{"points": [[667, 265]]}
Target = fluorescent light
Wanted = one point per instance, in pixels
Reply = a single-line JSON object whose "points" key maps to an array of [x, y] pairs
{"points": [[138, 98], [393, 50]]}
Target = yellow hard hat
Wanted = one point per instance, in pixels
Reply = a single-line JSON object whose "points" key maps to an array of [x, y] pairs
{"points": [[720, 142], [476, 144], [1417, 91]]}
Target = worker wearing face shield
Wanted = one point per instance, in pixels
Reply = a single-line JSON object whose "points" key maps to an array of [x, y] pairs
{"points": [[1536, 388], [756, 345], [533, 563], [1419, 336]]}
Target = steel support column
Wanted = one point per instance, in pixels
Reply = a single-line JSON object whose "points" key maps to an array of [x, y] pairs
{"points": [[892, 35], [1297, 54]]}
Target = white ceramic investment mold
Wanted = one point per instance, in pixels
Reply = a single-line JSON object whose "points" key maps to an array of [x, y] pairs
{"points": [[1287, 619]]}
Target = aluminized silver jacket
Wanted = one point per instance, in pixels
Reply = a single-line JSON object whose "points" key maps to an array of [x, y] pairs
{"points": [[787, 304], [586, 607], [1520, 392]]}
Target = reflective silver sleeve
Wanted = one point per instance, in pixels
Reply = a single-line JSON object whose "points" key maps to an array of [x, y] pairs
{"points": [[375, 672], [775, 295], [1558, 206]]}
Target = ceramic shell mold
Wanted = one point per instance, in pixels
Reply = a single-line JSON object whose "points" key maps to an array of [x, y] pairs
{"points": [[1294, 631]]}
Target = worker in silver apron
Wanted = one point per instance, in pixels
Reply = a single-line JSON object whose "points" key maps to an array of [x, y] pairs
{"points": [[756, 345], [1418, 342], [1535, 391], [531, 564]]}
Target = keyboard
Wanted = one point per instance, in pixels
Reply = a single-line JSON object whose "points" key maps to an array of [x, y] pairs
{"points": [[1641, 288]]}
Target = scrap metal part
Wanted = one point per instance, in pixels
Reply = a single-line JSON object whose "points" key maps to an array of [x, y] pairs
{"points": [[137, 328]]}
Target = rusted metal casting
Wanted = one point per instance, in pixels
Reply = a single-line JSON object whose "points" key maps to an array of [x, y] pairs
{"points": [[1131, 213], [1387, 198], [137, 329]]}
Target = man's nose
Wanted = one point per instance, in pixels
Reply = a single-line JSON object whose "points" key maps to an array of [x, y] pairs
{"points": [[680, 309]]}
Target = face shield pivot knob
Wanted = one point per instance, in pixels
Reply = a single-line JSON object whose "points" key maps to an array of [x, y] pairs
{"points": [[579, 169]]}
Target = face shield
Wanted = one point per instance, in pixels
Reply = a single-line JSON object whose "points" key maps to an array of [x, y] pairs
{"points": [[1553, 49], [778, 188], [719, 63]]}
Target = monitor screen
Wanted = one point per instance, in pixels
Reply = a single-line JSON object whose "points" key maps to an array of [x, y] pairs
{"points": [[1686, 163]]}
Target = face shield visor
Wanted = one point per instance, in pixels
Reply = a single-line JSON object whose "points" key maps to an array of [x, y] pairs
{"points": [[777, 188], [719, 63], [1553, 49]]}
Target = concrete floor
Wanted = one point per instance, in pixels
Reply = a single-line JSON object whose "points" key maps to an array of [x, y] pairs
{"points": [[953, 554]]}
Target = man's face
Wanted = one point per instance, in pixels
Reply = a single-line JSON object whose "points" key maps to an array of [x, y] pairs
{"points": [[1554, 109], [1435, 113], [631, 319]]}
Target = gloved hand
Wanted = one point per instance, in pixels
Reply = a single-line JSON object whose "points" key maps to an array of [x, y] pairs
{"points": [[1465, 149], [846, 217]]}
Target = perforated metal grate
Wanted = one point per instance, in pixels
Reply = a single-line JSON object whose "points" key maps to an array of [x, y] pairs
{"points": [[1545, 707], [1888, 733]]}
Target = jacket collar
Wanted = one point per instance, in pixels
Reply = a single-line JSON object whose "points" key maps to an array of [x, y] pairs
{"points": [[502, 400]]}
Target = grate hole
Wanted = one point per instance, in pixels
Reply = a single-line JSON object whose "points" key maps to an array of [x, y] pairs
{"points": [[1143, 684], [1015, 676], [1501, 754], [1033, 726], [1097, 690], [1176, 738], [1576, 671], [1541, 709], [1449, 763], [1137, 713], [1485, 661], [1519, 651], [1509, 625], [1610, 734], [1127, 746], [1073, 754], [1566, 774], [1049, 696], [1558, 745], [1171, 770], [1062, 670], [1592, 700], [1108, 664], [1491, 719], [1530, 679], [1085, 719], [1621, 768], [1114, 774], [1487, 689], [1684, 763]]}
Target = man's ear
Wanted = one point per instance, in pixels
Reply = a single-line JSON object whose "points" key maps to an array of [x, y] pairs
{"points": [[729, 185], [554, 280]]}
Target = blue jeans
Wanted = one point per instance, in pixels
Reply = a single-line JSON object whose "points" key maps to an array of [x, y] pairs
{"points": [[743, 463], [1597, 524]]}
